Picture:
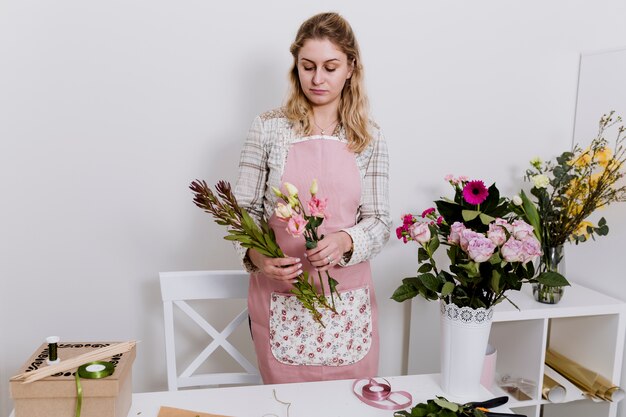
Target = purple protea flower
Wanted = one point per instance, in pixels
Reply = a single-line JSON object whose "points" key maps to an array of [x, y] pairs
{"points": [[475, 192]]}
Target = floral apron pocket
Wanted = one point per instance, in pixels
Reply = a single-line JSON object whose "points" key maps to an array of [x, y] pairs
{"points": [[296, 339]]}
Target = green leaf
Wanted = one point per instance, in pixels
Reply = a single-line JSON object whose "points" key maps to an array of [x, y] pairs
{"points": [[430, 281], [433, 244], [422, 255], [486, 219], [425, 268], [495, 280], [443, 403], [469, 215], [404, 292], [552, 279], [531, 215], [447, 289]]}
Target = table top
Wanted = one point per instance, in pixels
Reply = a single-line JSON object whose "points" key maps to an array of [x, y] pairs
{"points": [[327, 398]]}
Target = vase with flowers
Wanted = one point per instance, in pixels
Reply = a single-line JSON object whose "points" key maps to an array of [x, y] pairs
{"points": [[566, 191], [490, 251]]}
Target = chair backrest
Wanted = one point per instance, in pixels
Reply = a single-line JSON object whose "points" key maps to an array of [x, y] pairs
{"points": [[179, 287]]}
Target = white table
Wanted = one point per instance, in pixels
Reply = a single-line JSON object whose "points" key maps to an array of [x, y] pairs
{"points": [[311, 399]]}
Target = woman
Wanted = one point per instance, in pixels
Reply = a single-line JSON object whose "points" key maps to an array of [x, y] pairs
{"points": [[323, 132]]}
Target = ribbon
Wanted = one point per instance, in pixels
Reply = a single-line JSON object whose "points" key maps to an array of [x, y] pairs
{"points": [[374, 393], [91, 370]]}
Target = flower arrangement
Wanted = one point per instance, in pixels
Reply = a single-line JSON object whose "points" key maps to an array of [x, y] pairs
{"points": [[301, 224], [568, 190], [489, 249], [242, 228]]}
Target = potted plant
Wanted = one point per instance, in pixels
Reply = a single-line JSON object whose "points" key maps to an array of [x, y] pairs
{"points": [[490, 251]]}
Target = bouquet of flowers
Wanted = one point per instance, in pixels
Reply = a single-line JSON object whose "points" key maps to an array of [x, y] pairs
{"points": [[301, 224], [567, 191], [490, 251], [242, 228]]}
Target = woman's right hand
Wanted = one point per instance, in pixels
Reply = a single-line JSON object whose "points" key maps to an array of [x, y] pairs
{"points": [[279, 269]]}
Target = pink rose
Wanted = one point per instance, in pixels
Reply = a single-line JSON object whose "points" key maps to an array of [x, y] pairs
{"points": [[512, 250], [480, 248], [317, 206], [466, 236], [455, 232], [521, 229], [505, 224], [296, 225], [531, 249], [420, 232], [496, 234]]}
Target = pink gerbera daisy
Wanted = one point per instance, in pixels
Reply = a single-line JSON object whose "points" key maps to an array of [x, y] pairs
{"points": [[475, 192]]}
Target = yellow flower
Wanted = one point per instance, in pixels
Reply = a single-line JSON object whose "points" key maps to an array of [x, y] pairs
{"points": [[594, 178], [582, 160], [582, 229], [603, 156]]}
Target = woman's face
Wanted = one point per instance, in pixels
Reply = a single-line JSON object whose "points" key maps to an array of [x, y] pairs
{"points": [[323, 70]]}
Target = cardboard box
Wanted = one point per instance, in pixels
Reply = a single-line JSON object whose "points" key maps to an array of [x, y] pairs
{"points": [[55, 396]]}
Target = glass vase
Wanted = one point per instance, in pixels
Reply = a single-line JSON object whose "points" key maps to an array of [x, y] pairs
{"points": [[552, 260]]}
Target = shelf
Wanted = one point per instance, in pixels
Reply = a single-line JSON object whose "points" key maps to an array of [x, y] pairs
{"points": [[577, 301]]}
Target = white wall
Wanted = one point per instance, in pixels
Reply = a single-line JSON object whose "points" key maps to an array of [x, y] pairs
{"points": [[109, 109]]}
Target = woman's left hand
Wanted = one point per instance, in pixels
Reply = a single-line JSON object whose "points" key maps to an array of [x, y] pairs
{"points": [[329, 250]]}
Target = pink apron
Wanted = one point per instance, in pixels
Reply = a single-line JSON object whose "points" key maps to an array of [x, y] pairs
{"points": [[290, 346]]}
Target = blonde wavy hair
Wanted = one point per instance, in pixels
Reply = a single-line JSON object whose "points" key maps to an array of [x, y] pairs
{"points": [[353, 105]]}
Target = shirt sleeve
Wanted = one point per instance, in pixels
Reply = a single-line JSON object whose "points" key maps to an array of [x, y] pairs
{"points": [[372, 229], [250, 187]]}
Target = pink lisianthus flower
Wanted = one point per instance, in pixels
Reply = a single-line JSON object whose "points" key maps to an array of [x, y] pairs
{"points": [[496, 234], [317, 206], [480, 248], [283, 211], [475, 192], [512, 250], [296, 225], [427, 212], [420, 233], [455, 233], [531, 249], [466, 236], [521, 229]]}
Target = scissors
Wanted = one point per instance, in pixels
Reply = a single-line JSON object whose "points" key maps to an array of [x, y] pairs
{"points": [[484, 406]]}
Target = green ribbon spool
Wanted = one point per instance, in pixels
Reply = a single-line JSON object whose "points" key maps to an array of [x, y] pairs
{"points": [[91, 370]]}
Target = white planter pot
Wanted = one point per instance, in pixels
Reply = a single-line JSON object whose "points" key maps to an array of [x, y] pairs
{"points": [[464, 339]]}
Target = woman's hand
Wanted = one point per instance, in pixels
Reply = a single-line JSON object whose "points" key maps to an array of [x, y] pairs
{"points": [[329, 250], [279, 269]]}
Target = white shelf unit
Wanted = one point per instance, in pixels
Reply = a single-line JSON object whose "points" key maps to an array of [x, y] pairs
{"points": [[586, 326]]}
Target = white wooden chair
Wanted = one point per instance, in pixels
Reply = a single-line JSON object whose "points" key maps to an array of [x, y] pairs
{"points": [[176, 287]]}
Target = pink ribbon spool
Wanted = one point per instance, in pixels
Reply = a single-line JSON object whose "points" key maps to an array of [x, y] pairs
{"points": [[374, 393]]}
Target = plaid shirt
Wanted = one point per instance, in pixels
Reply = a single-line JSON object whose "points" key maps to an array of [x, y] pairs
{"points": [[262, 164]]}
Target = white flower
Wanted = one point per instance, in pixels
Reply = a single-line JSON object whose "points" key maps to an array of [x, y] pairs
{"points": [[517, 200], [536, 162], [291, 189], [540, 181], [313, 189]]}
